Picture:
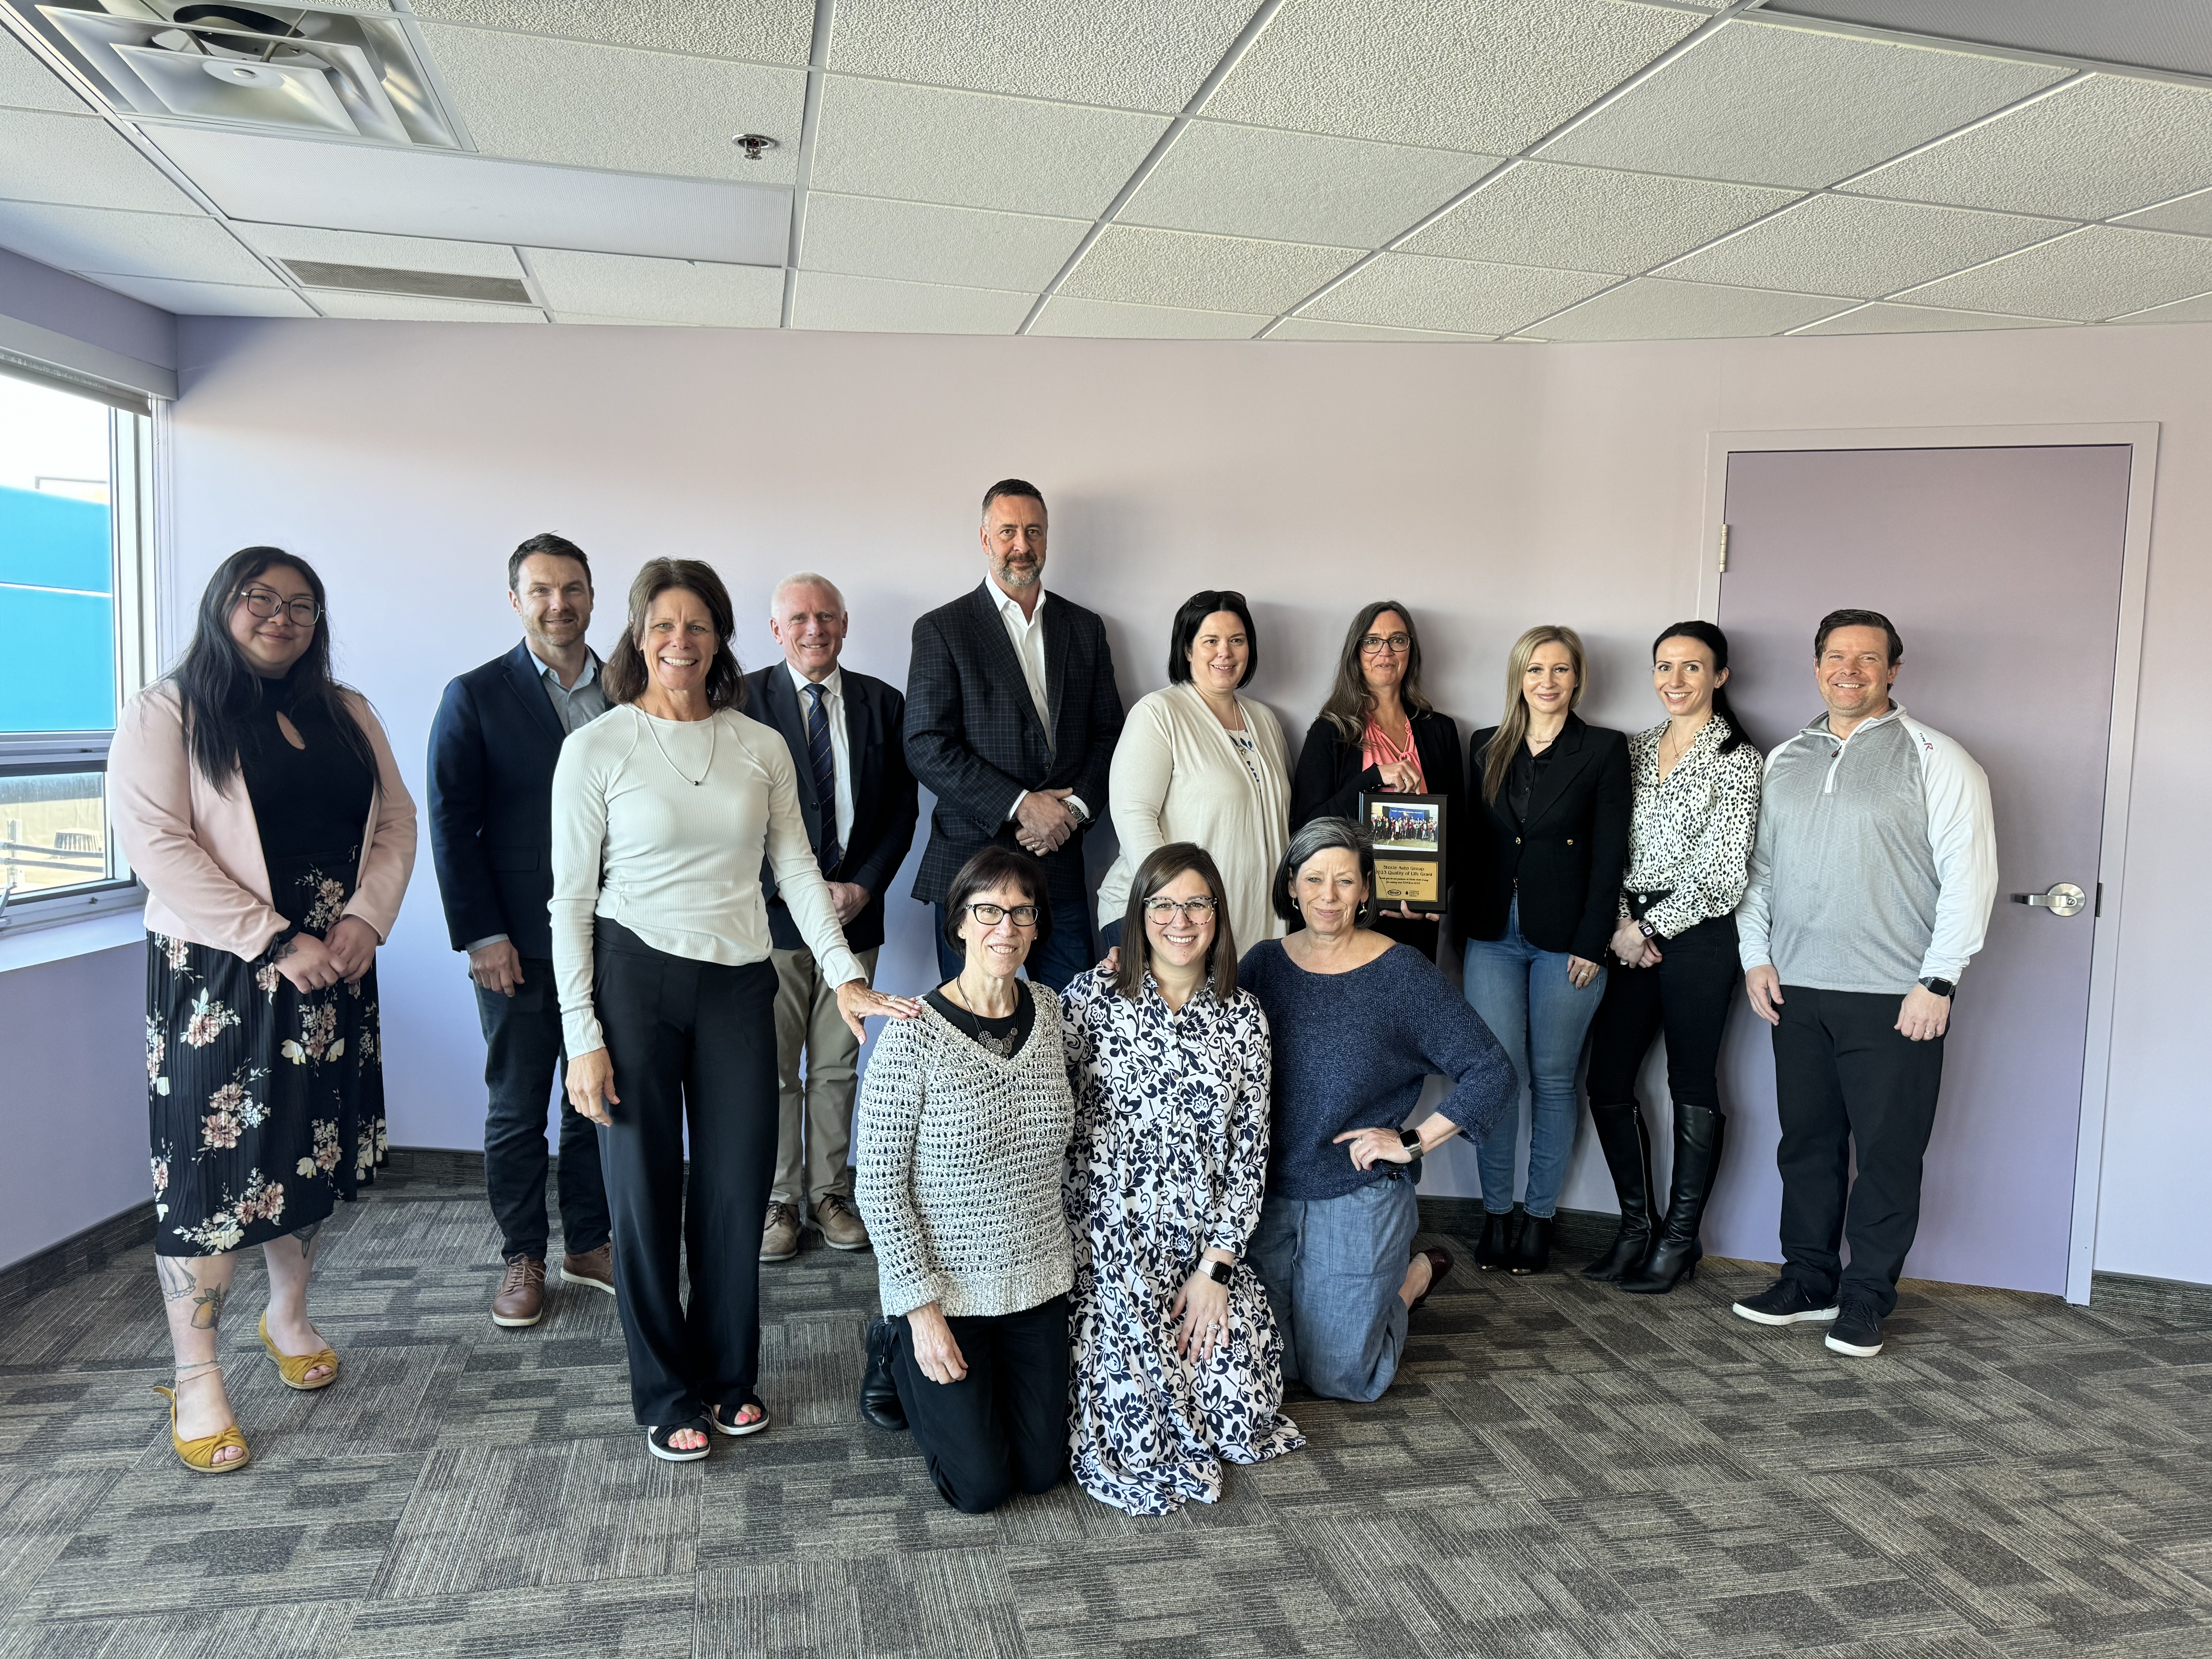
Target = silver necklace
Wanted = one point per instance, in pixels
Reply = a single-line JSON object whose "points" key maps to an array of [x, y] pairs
{"points": [[712, 724]]}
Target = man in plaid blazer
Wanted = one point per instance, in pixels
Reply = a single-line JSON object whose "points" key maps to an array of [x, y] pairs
{"points": [[1012, 715]]}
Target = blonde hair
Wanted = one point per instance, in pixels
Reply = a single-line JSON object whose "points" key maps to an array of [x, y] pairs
{"points": [[1513, 729]]}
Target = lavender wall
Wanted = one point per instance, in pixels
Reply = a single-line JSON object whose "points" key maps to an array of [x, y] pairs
{"points": [[49, 313]]}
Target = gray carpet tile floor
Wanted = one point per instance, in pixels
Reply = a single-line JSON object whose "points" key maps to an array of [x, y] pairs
{"points": [[1558, 1471]]}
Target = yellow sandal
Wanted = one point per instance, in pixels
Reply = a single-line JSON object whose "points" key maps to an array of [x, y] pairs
{"points": [[293, 1368], [198, 1455]]}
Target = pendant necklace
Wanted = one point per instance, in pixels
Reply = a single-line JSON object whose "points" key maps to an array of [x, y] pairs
{"points": [[654, 726]]}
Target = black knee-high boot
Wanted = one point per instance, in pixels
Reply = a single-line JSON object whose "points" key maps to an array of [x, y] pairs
{"points": [[1627, 1146], [1698, 1133]]}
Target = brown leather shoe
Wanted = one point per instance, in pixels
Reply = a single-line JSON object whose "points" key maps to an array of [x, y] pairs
{"points": [[840, 1223], [779, 1238], [595, 1267], [521, 1298]]}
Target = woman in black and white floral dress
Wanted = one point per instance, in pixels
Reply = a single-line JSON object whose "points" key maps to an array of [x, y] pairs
{"points": [[1178, 1362], [259, 803]]}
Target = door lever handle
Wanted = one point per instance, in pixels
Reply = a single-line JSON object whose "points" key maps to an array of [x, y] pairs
{"points": [[2064, 899]]}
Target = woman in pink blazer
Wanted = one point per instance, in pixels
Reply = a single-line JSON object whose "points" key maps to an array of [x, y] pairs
{"points": [[258, 801]]}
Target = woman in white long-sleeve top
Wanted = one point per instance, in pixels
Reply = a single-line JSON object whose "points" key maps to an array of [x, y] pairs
{"points": [[1178, 1360], [663, 809], [1197, 763]]}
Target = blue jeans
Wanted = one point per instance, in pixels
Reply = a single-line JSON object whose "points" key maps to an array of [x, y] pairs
{"points": [[1525, 997], [1053, 963], [1333, 1267]]}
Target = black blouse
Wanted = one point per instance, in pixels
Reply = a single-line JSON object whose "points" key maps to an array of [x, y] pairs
{"points": [[1003, 1035], [309, 800]]}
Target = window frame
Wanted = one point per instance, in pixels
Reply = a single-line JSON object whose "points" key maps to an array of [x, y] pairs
{"points": [[134, 577]]}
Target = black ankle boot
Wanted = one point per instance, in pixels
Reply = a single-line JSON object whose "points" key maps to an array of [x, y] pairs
{"points": [[1532, 1251], [1494, 1249], [879, 1400], [1627, 1146], [1700, 1132]]}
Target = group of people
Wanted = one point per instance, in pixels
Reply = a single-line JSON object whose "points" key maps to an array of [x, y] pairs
{"points": [[1115, 1203]]}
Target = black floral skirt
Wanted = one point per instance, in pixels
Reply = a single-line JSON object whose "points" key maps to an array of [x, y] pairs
{"points": [[266, 1103]]}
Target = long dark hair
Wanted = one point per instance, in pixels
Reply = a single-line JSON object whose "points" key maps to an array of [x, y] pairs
{"points": [[1160, 867], [626, 677], [1713, 640], [1350, 703], [218, 687]]}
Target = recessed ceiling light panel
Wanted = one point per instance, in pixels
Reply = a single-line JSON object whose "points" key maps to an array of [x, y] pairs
{"points": [[343, 73]]}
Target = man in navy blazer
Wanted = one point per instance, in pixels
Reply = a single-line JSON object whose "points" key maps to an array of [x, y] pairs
{"points": [[846, 734], [1013, 715], [493, 746]]}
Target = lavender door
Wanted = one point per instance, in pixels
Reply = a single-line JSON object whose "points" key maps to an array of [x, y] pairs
{"points": [[2000, 568]]}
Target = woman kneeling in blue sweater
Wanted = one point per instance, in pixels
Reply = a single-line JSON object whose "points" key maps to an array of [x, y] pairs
{"points": [[1359, 1023]]}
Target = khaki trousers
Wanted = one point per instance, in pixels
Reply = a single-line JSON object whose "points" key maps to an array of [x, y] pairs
{"points": [[814, 1117]]}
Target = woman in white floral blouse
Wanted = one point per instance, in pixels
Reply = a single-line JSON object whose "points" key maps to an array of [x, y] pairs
{"points": [[259, 802], [1696, 782], [1178, 1360]]}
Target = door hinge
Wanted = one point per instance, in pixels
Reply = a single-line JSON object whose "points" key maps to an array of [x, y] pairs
{"points": [[2099, 910], [1724, 531]]}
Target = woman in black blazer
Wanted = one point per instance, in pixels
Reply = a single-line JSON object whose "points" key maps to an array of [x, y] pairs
{"points": [[1377, 734], [1535, 908]]}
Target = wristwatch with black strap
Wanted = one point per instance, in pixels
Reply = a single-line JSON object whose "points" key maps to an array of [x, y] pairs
{"points": [[1941, 987]]}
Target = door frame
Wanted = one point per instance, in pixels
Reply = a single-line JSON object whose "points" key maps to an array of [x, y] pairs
{"points": [[2142, 439]]}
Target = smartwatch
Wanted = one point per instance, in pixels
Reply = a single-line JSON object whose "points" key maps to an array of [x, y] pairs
{"points": [[1647, 930], [1219, 1272], [1941, 987], [1410, 1140]]}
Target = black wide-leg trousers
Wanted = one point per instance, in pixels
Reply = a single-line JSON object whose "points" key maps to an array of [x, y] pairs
{"points": [[693, 1043], [1845, 1077]]}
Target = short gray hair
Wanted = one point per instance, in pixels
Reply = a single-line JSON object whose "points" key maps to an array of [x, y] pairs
{"points": [[804, 579], [1315, 836]]}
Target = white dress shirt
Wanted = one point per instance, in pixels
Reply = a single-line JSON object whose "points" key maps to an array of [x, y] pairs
{"points": [[1027, 635], [841, 748]]}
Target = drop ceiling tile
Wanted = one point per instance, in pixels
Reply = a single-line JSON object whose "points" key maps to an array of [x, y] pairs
{"points": [[1470, 296], [210, 299], [862, 305], [1296, 186], [1577, 218], [2189, 214], [1137, 54], [79, 161], [540, 99], [664, 290], [765, 30], [2097, 148], [968, 149], [1314, 328], [354, 247], [922, 242], [1852, 245], [1653, 309], [1489, 76], [2196, 310], [1923, 320], [1181, 269], [1108, 319], [197, 250], [26, 83], [2097, 272], [416, 308], [1766, 104]]}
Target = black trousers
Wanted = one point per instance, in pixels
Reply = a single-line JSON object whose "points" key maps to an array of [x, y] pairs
{"points": [[693, 1043], [522, 1047], [1844, 1075], [1688, 995], [1002, 1428]]}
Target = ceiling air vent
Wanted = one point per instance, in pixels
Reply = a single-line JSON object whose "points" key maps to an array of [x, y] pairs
{"points": [[342, 73], [438, 285]]}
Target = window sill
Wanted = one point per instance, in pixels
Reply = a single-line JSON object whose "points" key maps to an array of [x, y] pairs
{"points": [[29, 947]]}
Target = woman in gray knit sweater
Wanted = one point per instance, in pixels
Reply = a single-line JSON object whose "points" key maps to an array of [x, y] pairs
{"points": [[965, 1117]]}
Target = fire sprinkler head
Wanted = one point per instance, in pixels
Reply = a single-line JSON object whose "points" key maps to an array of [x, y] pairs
{"points": [[754, 144]]}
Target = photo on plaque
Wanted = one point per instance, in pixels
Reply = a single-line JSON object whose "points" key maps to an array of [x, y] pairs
{"points": [[1408, 835]]}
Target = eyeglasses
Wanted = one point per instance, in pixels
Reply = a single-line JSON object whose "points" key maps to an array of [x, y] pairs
{"points": [[1197, 909], [1021, 915], [262, 603], [1371, 644]]}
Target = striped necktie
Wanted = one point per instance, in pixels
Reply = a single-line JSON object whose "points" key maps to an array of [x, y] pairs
{"points": [[820, 757]]}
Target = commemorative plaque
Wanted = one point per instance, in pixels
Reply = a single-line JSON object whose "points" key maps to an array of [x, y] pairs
{"points": [[1409, 832]]}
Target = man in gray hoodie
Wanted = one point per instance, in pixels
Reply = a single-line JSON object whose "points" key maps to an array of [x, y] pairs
{"points": [[1871, 881]]}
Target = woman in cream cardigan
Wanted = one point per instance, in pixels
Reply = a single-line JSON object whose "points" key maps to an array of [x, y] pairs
{"points": [[1198, 763]]}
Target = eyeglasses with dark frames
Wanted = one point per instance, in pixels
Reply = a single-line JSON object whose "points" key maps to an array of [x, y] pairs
{"points": [[1022, 915], [1197, 909], [1375, 644], [265, 603]]}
